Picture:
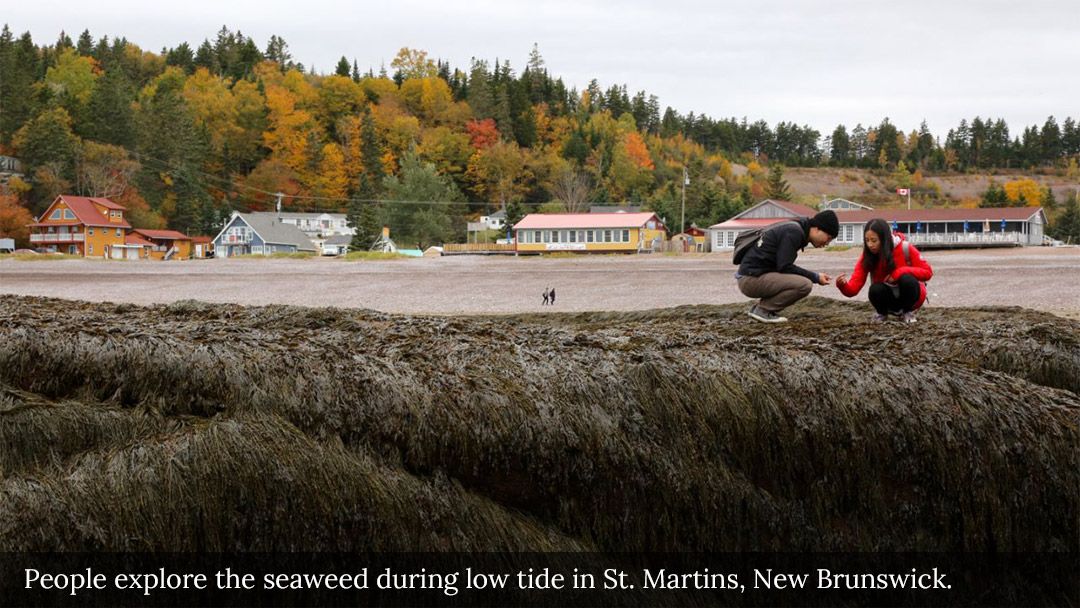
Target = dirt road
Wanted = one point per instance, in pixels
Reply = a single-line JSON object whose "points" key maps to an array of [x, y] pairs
{"points": [[1038, 278]]}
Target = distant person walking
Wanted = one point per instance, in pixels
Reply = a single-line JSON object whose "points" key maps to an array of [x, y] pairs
{"points": [[897, 273], [552, 296], [767, 268], [547, 297]]}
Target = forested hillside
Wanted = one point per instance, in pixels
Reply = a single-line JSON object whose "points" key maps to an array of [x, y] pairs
{"points": [[184, 135]]}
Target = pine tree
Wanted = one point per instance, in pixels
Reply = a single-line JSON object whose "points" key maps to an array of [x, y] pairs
{"points": [[343, 68], [372, 154], [18, 72], [85, 46], [776, 188], [109, 115]]}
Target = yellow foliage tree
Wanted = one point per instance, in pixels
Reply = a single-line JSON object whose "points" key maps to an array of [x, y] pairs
{"points": [[1026, 188], [331, 179]]}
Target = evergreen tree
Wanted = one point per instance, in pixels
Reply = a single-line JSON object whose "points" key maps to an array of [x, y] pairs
{"points": [[343, 68], [1067, 225], [48, 140], [995, 196], [18, 71], [109, 117], [170, 149], [182, 57], [372, 155], [425, 216], [840, 147], [85, 46], [363, 215], [776, 187], [479, 95]]}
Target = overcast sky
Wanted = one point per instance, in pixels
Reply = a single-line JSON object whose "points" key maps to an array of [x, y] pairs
{"points": [[819, 63]]}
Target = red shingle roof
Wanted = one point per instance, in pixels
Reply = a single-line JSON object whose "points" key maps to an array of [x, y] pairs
{"points": [[165, 235], [84, 209], [542, 221], [134, 239]]}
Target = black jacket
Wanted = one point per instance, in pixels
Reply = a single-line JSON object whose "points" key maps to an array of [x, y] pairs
{"points": [[778, 251]]}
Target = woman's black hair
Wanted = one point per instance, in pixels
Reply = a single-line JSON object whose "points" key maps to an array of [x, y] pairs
{"points": [[870, 261]]}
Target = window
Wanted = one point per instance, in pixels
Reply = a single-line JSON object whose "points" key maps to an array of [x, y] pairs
{"points": [[607, 236], [626, 236], [537, 236], [589, 236], [573, 236], [581, 236], [90, 247], [118, 231], [69, 214], [56, 215], [847, 233], [91, 231]]}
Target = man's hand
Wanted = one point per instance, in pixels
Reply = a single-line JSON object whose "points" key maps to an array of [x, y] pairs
{"points": [[823, 279]]}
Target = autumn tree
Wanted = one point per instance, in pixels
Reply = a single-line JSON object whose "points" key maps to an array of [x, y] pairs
{"points": [[104, 170], [497, 173], [413, 63], [14, 220]]}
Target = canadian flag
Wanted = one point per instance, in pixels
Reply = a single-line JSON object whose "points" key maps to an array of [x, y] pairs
{"points": [[903, 191]]}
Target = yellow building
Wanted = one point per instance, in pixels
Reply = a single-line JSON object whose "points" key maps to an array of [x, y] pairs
{"points": [[82, 226], [589, 232], [167, 244]]}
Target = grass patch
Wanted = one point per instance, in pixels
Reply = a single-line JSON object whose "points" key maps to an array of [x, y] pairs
{"points": [[367, 256], [838, 248], [38, 257]]}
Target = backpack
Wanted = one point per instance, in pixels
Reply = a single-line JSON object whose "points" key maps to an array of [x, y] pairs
{"points": [[753, 238]]}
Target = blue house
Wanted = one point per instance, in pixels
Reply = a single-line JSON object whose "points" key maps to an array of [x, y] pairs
{"points": [[259, 234]]}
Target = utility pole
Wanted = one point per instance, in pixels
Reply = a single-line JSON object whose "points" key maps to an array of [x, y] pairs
{"points": [[685, 182], [279, 196]]}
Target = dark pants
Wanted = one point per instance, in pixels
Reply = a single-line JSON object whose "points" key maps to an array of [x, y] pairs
{"points": [[886, 302]]}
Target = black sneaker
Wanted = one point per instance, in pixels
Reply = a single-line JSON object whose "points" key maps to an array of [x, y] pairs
{"points": [[760, 314]]}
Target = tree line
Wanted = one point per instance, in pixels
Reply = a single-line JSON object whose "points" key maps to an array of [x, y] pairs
{"points": [[185, 135]]}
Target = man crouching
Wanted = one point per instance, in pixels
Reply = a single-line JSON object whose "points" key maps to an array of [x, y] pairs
{"points": [[768, 269]]}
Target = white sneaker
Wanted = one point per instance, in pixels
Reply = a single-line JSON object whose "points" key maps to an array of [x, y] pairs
{"points": [[878, 318], [760, 314], [908, 317]]}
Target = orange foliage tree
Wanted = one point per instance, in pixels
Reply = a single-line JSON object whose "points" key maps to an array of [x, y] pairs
{"points": [[14, 219]]}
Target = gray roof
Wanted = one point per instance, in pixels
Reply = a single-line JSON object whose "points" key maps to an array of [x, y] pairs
{"points": [[338, 239], [616, 208], [301, 216], [498, 215], [274, 231]]}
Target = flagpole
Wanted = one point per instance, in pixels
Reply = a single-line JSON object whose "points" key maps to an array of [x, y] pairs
{"points": [[909, 199]]}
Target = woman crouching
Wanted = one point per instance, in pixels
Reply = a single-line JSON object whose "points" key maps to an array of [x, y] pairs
{"points": [[896, 269]]}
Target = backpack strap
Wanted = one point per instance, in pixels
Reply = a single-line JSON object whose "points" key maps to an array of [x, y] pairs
{"points": [[906, 246]]}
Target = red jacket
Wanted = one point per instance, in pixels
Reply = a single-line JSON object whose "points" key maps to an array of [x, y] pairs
{"points": [[919, 268]]}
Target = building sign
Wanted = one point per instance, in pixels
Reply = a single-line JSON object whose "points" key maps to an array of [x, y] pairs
{"points": [[566, 246]]}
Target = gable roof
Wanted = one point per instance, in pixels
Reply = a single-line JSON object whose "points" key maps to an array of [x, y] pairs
{"points": [[164, 235], [795, 209], [85, 210], [979, 214], [271, 230], [541, 221], [134, 239]]}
